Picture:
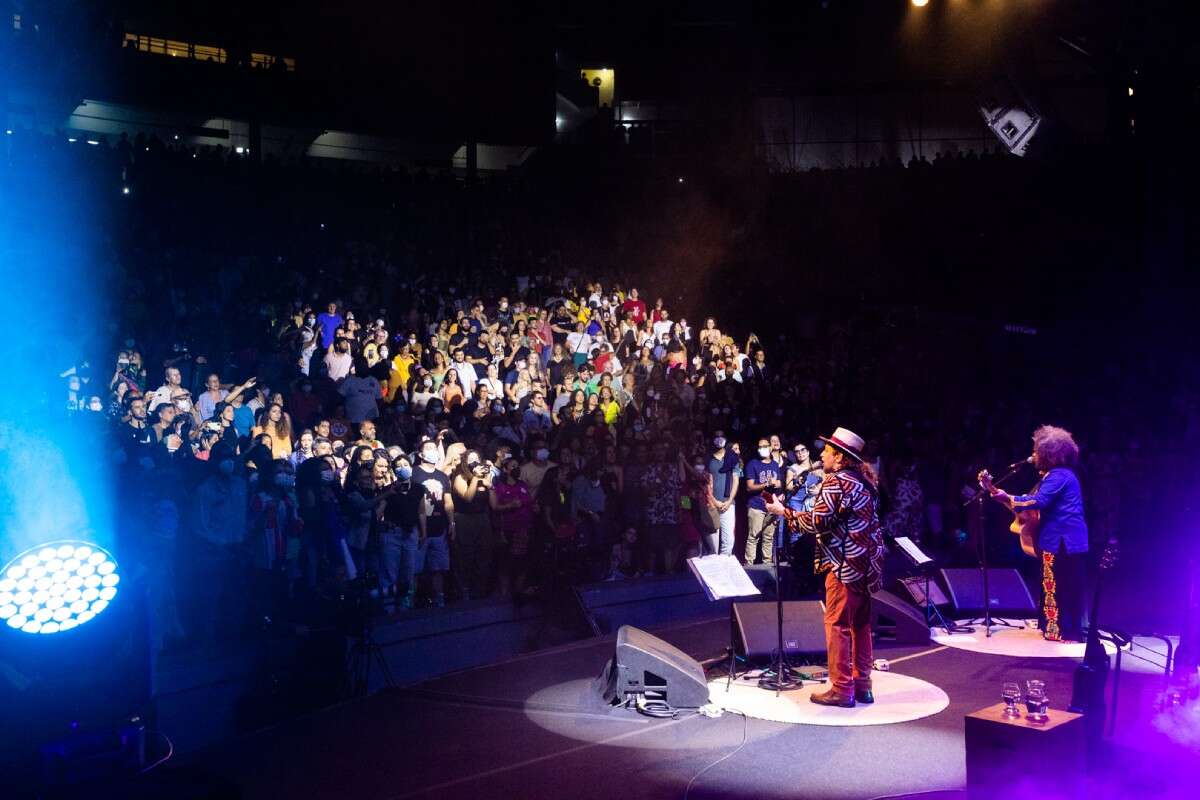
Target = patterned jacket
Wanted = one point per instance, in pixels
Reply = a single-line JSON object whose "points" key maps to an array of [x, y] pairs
{"points": [[845, 519]]}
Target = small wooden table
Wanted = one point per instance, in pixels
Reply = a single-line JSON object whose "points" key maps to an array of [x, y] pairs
{"points": [[1007, 755]]}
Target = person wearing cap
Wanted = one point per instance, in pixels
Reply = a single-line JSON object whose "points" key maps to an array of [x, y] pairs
{"points": [[849, 551]]}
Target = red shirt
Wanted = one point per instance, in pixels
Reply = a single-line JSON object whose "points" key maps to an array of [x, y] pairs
{"points": [[636, 308]]}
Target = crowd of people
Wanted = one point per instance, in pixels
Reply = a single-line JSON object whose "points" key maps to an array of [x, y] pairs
{"points": [[567, 419], [565, 434]]}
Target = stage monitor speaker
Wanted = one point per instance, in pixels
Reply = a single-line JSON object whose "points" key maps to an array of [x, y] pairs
{"points": [[895, 620], [1007, 592], [644, 663], [756, 628]]}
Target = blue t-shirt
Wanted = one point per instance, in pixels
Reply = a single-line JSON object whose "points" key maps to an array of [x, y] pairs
{"points": [[328, 324], [761, 472], [243, 420], [723, 470]]}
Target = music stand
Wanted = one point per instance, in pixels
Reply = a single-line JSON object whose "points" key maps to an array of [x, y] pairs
{"points": [[785, 676], [924, 564], [986, 620]]}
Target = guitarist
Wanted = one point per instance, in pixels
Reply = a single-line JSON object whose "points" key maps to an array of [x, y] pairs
{"points": [[1062, 538], [849, 550]]}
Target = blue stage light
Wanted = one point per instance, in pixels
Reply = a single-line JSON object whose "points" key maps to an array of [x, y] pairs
{"points": [[57, 586]]}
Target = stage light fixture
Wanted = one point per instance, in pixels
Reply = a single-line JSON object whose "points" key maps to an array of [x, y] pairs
{"points": [[920, 3], [54, 587]]}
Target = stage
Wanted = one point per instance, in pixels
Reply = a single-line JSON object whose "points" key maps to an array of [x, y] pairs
{"points": [[530, 727]]}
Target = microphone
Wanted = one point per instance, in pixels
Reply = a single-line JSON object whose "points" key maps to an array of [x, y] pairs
{"points": [[1019, 464]]}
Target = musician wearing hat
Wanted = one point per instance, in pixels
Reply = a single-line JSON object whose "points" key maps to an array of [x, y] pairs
{"points": [[849, 551]]}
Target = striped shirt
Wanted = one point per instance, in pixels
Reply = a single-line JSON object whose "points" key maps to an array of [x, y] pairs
{"points": [[845, 519]]}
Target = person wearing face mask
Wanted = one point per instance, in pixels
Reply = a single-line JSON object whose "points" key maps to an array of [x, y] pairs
{"points": [[423, 391], [318, 500], [534, 472], [304, 403], [404, 532], [514, 523], [440, 522], [589, 502], [723, 467], [274, 530], [362, 509], [762, 475], [700, 521], [219, 533], [400, 371]]}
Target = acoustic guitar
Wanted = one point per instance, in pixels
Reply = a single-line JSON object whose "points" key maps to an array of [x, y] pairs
{"points": [[1024, 524]]}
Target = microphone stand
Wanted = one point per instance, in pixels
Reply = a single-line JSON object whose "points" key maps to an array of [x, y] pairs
{"points": [[986, 620], [784, 677]]}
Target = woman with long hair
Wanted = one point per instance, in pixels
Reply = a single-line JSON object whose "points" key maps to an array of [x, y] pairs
{"points": [[710, 337], [607, 402], [452, 390], [437, 369], [272, 420], [514, 523], [474, 537]]}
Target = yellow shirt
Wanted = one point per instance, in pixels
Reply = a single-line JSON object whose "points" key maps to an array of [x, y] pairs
{"points": [[398, 376], [612, 410]]}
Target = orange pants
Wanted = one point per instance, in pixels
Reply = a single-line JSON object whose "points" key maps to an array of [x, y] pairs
{"points": [[847, 637]]}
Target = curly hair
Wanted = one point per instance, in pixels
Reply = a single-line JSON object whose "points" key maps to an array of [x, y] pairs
{"points": [[1055, 447]]}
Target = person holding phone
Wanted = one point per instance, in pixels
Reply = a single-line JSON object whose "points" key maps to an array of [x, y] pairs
{"points": [[763, 477]]}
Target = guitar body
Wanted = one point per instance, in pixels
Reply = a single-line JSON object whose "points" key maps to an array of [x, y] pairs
{"points": [[1025, 525]]}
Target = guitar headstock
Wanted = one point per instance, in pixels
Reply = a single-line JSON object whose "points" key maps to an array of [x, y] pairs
{"points": [[1108, 558], [985, 479]]}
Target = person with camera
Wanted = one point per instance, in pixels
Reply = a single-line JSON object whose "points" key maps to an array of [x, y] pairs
{"points": [[404, 531], [763, 475], [474, 537], [440, 516]]}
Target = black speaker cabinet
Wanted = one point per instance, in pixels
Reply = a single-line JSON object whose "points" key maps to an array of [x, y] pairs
{"points": [[895, 620], [756, 628], [643, 663], [1007, 592]]}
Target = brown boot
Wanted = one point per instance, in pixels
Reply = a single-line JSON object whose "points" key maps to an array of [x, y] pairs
{"points": [[832, 698]]}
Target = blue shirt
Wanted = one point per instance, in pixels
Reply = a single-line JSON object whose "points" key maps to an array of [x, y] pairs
{"points": [[761, 472], [723, 472], [328, 323], [1060, 500], [243, 420]]}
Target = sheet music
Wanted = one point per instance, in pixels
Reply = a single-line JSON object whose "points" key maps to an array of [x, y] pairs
{"points": [[722, 576], [915, 553]]}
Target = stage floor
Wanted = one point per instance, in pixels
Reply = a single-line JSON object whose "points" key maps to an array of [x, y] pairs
{"points": [[530, 728]]}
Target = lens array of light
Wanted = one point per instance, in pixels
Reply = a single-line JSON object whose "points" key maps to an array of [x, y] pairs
{"points": [[55, 587]]}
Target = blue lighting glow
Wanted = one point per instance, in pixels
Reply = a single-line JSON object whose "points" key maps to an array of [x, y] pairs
{"points": [[57, 586]]}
